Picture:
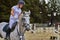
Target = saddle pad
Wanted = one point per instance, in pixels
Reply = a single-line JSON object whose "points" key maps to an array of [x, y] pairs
{"points": [[5, 28]]}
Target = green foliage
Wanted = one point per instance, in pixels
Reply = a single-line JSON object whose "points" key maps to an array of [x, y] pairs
{"points": [[33, 5], [5, 7]]}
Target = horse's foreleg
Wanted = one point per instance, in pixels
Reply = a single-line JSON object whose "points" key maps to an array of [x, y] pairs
{"points": [[22, 31], [22, 36]]}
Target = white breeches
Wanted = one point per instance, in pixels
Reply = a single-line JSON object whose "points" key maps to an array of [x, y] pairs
{"points": [[12, 20]]}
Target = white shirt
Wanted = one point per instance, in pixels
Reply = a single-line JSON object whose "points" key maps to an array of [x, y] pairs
{"points": [[17, 12]]}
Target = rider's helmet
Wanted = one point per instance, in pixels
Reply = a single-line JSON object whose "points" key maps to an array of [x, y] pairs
{"points": [[21, 2]]}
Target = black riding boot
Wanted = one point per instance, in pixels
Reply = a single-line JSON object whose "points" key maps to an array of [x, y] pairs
{"points": [[8, 34]]}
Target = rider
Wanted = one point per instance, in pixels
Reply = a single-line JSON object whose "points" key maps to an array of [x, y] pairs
{"points": [[15, 12]]}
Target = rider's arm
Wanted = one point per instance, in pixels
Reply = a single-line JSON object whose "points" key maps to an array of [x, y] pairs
{"points": [[12, 12]]}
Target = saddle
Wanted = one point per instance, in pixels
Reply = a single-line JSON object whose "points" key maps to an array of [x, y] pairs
{"points": [[7, 29]]}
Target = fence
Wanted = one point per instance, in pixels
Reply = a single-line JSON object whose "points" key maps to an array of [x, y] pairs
{"points": [[38, 28]]}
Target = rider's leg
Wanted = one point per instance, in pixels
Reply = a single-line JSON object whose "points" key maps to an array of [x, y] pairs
{"points": [[8, 30], [11, 27], [11, 23]]}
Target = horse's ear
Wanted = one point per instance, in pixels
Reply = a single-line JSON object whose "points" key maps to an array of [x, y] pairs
{"points": [[23, 12]]}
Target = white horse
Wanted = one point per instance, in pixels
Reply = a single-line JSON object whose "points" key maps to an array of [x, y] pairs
{"points": [[18, 33]]}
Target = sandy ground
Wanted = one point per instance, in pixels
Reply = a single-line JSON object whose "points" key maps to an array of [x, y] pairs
{"points": [[1, 39], [39, 35]]}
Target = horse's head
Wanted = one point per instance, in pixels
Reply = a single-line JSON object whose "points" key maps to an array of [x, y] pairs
{"points": [[24, 19]]}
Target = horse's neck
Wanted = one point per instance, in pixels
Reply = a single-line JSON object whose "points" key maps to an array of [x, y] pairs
{"points": [[20, 24], [20, 21], [20, 17]]}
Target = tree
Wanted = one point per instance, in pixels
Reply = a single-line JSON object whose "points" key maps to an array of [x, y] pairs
{"points": [[39, 10], [54, 10], [5, 7]]}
